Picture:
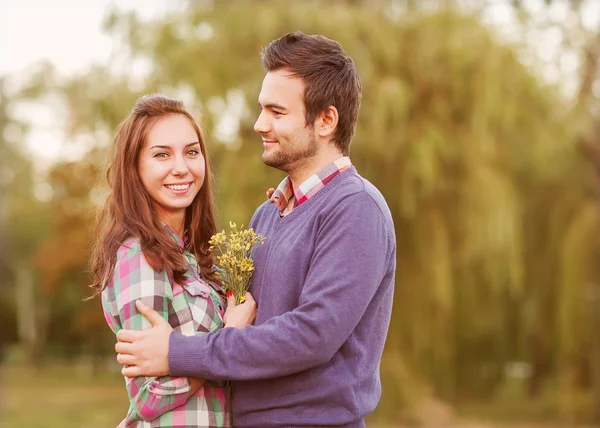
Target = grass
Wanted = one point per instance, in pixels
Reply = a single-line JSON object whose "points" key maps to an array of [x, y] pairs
{"points": [[70, 396], [60, 396]]}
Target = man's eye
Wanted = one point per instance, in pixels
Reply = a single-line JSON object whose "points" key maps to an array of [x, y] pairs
{"points": [[277, 113]]}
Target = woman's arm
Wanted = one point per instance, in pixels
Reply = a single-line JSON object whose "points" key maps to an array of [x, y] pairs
{"points": [[135, 279], [195, 385]]}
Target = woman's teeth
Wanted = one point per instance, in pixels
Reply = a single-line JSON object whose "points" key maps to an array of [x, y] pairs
{"points": [[178, 186]]}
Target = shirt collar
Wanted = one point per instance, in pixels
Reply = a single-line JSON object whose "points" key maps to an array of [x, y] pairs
{"points": [[311, 186], [173, 234]]}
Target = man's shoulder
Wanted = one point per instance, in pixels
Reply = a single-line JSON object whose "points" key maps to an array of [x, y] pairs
{"points": [[354, 188], [264, 209]]}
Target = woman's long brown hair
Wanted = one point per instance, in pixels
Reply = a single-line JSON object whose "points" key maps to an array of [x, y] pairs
{"points": [[129, 211]]}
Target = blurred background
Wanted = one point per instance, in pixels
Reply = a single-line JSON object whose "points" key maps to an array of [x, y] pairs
{"points": [[480, 124]]}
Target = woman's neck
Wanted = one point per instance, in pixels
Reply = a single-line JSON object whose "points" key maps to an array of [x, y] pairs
{"points": [[175, 222]]}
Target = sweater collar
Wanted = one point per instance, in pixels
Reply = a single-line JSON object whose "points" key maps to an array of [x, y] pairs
{"points": [[286, 192]]}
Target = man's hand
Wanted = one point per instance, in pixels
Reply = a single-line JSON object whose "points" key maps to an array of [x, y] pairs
{"points": [[145, 352], [240, 315]]}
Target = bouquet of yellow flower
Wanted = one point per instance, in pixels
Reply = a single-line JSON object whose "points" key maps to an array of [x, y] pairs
{"points": [[234, 258]]}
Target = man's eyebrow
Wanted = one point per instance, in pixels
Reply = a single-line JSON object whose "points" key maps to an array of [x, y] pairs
{"points": [[158, 146], [272, 106]]}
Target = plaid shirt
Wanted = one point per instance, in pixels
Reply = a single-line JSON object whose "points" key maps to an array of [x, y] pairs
{"points": [[285, 192], [195, 307]]}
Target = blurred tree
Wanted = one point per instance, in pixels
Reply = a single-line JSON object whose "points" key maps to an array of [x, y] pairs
{"points": [[577, 62], [24, 221], [9, 332], [476, 156], [62, 259]]}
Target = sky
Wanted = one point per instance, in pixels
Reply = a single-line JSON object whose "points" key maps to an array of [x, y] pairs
{"points": [[34, 30], [68, 33]]}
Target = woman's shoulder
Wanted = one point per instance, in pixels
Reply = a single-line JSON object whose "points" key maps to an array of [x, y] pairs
{"points": [[129, 248]]}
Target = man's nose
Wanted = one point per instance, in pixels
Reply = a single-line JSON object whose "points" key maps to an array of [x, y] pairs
{"points": [[261, 125]]}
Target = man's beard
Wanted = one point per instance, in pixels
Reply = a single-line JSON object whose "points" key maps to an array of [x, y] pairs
{"points": [[281, 160]]}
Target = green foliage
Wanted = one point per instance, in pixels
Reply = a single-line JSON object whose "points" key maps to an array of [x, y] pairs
{"points": [[84, 400], [476, 157], [23, 223]]}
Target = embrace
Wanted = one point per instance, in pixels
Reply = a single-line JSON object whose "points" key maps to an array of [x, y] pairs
{"points": [[304, 348]]}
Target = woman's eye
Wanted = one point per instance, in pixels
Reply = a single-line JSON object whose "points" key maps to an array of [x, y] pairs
{"points": [[193, 152], [161, 155]]}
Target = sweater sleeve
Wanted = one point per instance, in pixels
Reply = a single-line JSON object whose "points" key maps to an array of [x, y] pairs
{"points": [[353, 250]]}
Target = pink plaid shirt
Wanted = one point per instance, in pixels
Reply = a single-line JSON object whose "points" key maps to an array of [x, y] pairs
{"points": [[285, 192], [194, 307]]}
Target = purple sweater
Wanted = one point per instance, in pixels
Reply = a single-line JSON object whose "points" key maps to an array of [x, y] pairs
{"points": [[324, 284]]}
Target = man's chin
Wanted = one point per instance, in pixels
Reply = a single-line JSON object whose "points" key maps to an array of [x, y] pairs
{"points": [[272, 161]]}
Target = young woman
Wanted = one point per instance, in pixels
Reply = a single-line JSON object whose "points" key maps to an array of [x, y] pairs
{"points": [[152, 245]]}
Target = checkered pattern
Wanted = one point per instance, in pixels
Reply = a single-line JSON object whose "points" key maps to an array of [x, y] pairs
{"points": [[198, 306], [285, 192]]}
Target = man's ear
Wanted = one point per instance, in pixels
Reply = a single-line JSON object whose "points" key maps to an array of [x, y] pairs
{"points": [[328, 120]]}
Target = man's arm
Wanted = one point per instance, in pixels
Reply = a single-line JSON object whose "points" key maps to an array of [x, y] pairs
{"points": [[348, 265]]}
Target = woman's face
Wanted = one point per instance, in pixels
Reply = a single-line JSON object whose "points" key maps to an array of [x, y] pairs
{"points": [[171, 165]]}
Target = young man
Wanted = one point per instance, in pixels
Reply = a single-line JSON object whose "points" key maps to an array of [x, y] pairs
{"points": [[324, 278]]}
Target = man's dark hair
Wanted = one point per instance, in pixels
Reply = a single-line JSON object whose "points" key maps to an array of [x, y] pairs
{"points": [[329, 77]]}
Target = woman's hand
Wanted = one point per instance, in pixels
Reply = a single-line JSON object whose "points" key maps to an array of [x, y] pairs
{"points": [[241, 315], [195, 385]]}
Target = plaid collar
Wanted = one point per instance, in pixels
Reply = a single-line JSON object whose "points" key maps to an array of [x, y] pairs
{"points": [[285, 191], [169, 230], [192, 272]]}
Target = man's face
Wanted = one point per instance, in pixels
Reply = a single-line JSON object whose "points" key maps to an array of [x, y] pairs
{"points": [[288, 143]]}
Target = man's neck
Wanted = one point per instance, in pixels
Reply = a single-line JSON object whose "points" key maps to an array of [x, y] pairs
{"points": [[302, 173]]}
